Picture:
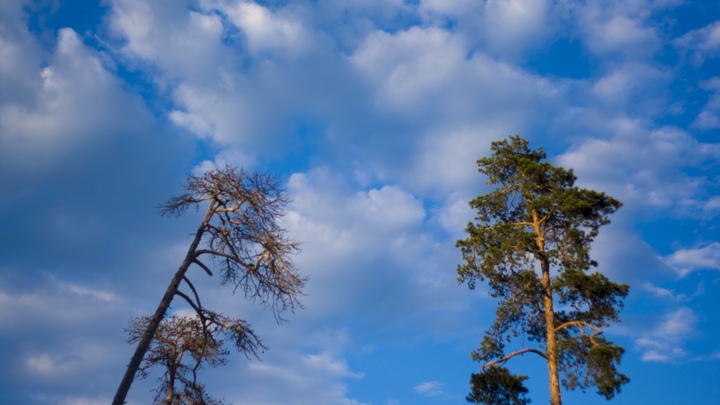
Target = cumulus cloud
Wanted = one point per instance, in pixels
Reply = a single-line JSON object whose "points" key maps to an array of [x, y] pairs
{"points": [[307, 379], [267, 31], [65, 115], [372, 246], [504, 29], [645, 168], [620, 87], [666, 294], [702, 43], [664, 343], [44, 348], [619, 28], [686, 261], [427, 69], [365, 223], [513, 26], [424, 76], [709, 116]]}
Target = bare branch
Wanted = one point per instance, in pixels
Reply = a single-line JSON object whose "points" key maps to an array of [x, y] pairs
{"points": [[189, 301], [581, 326], [203, 266], [230, 257], [502, 360]]}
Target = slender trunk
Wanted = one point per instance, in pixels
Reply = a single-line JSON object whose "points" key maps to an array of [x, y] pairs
{"points": [[170, 397], [149, 333], [552, 358]]}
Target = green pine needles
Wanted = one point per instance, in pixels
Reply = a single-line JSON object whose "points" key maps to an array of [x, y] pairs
{"points": [[530, 242]]}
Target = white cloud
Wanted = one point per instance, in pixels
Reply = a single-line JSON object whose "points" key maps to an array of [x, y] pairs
{"points": [[447, 161], [456, 9], [664, 342], [327, 363], [645, 168], [78, 100], [20, 57], [621, 32], [686, 261], [429, 71], [171, 38], [709, 116], [307, 379], [57, 303], [702, 44], [454, 103], [84, 292], [410, 65], [337, 223], [515, 25], [504, 29], [671, 295], [76, 400], [194, 123], [72, 359], [454, 215], [430, 388], [618, 28], [620, 87], [371, 248], [267, 30]]}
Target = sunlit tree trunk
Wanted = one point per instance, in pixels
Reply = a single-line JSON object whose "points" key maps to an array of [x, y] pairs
{"points": [[552, 358], [551, 349]]}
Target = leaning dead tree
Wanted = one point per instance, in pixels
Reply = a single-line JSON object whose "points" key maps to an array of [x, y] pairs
{"points": [[182, 345], [239, 238]]}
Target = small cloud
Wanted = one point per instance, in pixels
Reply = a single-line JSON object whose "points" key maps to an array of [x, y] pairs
{"points": [[663, 293], [82, 292], [702, 43], [429, 388], [709, 116], [41, 364], [686, 261], [327, 363], [192, 122], [664, 342], [72, 400]]}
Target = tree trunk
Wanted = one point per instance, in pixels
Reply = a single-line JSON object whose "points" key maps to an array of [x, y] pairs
{"points": [[147, 337], [552, 358]]}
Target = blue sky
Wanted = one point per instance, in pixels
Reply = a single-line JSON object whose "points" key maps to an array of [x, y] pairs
{"points": [[372, 113]]}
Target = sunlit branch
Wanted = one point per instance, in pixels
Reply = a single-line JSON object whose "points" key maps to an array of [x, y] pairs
{"points": [[581, 326], [502, 360], [232, 258]]}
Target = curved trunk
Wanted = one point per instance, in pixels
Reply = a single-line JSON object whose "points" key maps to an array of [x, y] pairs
{"points": [[147, 337]]}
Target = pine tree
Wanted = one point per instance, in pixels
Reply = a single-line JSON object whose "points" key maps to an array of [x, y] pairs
{"points": [[530, 242]]}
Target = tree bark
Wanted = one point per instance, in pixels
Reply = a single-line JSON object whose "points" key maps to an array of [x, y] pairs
{"points": [[552, 358], [550, 330], [147, 337]]}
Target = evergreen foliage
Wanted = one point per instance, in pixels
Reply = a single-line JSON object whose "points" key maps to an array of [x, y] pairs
{"points": [[530, 242]]}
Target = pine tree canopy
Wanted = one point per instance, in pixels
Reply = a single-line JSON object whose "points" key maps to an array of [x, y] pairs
{"points": [[530, 242]]}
